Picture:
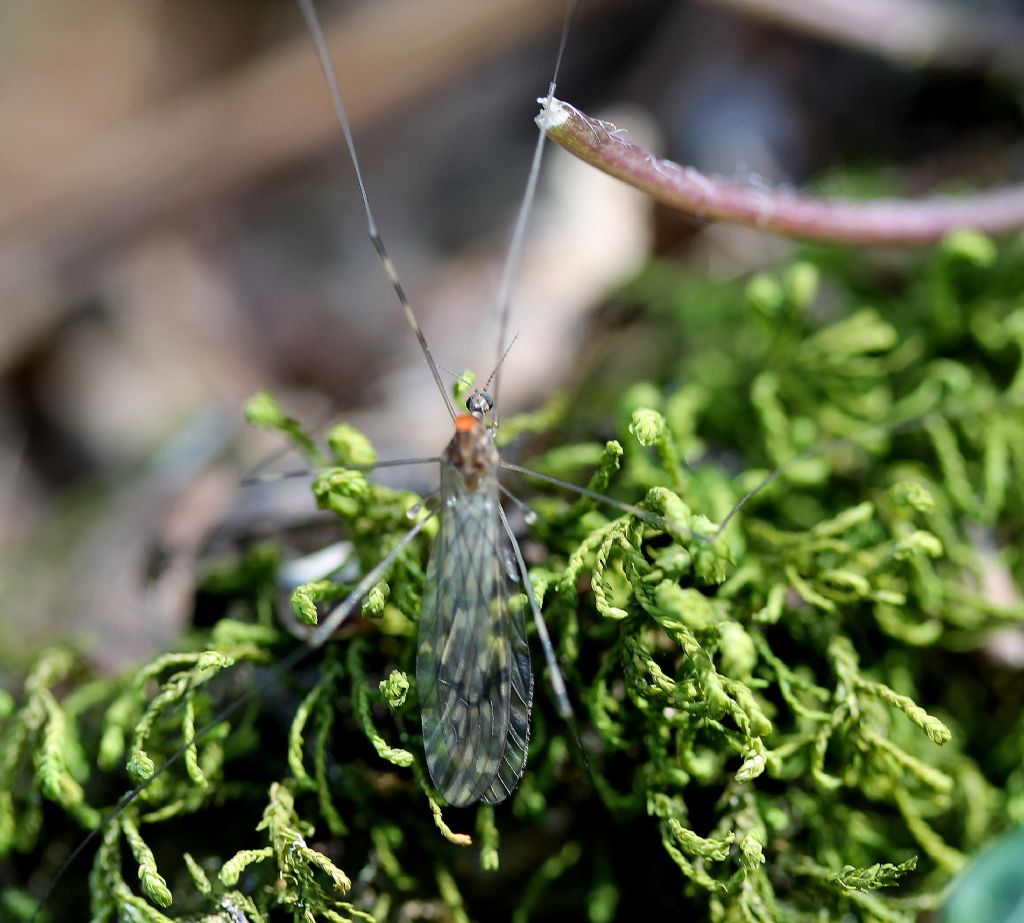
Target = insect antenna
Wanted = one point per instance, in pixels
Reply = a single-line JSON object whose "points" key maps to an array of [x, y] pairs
{"points": [[501, 361], [458, 378], [327, 66], [491, 377], [480, 401]]}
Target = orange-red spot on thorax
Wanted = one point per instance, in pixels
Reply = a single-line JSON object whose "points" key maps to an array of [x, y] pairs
{"points": [[465, 423]]}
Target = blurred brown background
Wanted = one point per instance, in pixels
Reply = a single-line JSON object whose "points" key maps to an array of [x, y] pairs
{"points": [[179, 228]]}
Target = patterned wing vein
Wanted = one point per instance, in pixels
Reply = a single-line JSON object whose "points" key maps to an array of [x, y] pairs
{"points": [[473, 662]]}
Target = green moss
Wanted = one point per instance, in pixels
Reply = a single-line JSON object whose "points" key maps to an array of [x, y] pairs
{"points": [[792, 711]]}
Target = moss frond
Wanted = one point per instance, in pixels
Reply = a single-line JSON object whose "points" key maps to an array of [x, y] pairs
{"points": [[781, 718]]}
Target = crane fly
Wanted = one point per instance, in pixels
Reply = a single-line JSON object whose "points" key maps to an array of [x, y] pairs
{"points": [[473, 664], [473, 674], [472, 659]]}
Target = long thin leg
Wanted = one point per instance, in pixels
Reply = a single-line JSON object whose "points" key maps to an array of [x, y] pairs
{"points": [[305, 472], [557, 682], [514, 257], [820, 449], [327, 627], [286, 448], [653, 518], [823, 447], [528, 514], [562, 700], [327, 66], [340, 612]]}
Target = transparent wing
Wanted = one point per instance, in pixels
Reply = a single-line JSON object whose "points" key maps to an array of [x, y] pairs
{"points": [[473, 661], [513, 632]]}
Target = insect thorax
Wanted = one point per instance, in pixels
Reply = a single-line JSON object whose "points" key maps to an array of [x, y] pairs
{"points": [[472, 452]]}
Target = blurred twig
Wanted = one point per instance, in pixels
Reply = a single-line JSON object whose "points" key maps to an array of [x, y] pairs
{"points": [[911, 33], [883, 221]]}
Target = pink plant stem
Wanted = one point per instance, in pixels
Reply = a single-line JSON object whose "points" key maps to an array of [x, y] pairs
{"points": [[882, 221]]}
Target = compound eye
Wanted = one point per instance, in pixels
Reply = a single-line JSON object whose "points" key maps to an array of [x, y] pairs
{"points": [[479, 403]]}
